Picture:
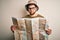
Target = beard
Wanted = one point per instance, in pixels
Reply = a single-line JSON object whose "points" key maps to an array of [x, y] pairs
{"points": [[32, 13]]}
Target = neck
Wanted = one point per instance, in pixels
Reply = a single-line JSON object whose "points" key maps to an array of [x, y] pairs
{"points": [[34, 15]]}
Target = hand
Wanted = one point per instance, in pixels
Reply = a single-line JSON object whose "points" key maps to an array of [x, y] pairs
{"points": [[13, 27], [48, 31]]}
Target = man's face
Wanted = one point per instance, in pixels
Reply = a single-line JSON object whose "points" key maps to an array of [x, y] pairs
{"points": [[32, 9]]}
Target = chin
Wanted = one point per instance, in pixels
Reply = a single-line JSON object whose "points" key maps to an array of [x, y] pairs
{"points": [[32, 13]]}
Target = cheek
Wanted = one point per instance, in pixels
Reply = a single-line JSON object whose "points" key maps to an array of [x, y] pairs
{"points": [[28, 10], [35, 9]]}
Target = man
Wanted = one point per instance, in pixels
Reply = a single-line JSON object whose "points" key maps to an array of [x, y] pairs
{"points": [[32, 8]]}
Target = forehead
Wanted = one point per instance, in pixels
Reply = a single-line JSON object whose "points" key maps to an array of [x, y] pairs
{"points": [[30, 6]]}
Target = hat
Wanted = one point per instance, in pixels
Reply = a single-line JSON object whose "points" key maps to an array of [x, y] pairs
{"points": [[32, 1]]}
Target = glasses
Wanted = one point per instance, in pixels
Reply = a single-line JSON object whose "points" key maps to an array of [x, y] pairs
{"points": [[32, 8]]}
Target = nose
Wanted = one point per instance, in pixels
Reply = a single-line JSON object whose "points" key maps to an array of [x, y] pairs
{"points": [[31, 10]]}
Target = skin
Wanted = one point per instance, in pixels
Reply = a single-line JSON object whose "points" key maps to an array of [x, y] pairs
{"points": [[32, 11]]}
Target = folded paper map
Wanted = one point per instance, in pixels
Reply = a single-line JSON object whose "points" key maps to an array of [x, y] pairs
{"points": [[30, 28]]}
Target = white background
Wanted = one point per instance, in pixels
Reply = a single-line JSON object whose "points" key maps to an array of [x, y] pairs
{"points": [[16, 8]]}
